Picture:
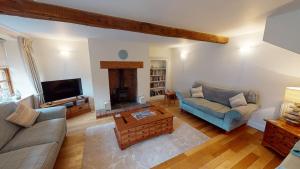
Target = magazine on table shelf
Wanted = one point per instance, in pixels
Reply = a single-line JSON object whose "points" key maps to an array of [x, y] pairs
{"points": [[143, 114]]}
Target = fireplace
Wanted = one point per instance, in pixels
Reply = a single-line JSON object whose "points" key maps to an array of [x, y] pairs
{"points": [[122, 86]]}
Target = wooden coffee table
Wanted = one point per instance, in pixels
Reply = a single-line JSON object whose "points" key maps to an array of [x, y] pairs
{"points": [[130, 130]]}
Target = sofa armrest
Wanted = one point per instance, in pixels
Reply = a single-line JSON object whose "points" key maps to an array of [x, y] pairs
{"points": [[246, 111], [291, 161], [232, 115], [182, 95], [51, 113]]}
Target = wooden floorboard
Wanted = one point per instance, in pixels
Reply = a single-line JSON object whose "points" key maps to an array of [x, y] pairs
{"points": [[238, 149]]}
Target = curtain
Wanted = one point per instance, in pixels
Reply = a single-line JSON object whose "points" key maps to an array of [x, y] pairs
{"points": [[27, 53], [2, 54]]}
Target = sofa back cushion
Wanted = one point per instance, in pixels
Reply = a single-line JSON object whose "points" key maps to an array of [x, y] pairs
{"points": [[7, 129], [218, 95], [222, 96]]}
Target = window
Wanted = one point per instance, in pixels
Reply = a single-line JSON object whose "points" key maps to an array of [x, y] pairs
{"points": [[6, 88]]}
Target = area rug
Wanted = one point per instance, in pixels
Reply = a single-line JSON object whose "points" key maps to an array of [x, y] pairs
{"points": [[101, 149]]}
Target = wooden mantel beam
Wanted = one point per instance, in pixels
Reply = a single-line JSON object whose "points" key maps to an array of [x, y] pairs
{"points": [[32, 9], [121, 65]]}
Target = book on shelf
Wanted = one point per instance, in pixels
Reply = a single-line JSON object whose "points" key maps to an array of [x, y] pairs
{"points": [[158, 72], [157, 92]]}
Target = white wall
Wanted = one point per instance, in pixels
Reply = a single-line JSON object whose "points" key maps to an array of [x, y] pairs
{"points": [[64, 59], [163, 53], [107, 50], [283, 30], [18, 71], [265, 68]]}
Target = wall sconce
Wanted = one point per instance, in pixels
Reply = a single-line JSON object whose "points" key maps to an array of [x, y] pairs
{"points": [[246, 48], [65, 53], [183, 54]]}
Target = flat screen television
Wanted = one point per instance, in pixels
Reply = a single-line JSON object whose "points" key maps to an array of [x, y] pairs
{"points": [[61, 89]]}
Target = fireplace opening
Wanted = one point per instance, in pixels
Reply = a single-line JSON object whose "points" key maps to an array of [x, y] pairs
{"points": [[123, 87]]}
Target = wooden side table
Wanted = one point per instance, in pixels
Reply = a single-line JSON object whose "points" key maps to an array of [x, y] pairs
{"points": [[169, 97], [280, 136]]}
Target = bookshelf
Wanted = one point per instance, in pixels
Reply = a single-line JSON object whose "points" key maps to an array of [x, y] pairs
{"points": [[158, 70]]}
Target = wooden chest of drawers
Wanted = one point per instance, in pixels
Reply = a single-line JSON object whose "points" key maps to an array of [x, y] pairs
{"points": [[280, 136]]}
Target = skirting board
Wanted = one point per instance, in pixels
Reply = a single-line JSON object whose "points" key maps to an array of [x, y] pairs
{"points": [[257, 125]]}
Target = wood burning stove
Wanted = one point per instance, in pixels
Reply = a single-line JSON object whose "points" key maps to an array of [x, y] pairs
{"points": [[122, 85], [122, 91]]}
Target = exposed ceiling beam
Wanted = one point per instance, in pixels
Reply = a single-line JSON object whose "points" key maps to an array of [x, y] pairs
{"points": [[32, 9]]}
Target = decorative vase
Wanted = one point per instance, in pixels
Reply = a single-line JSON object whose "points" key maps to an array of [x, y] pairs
{"points": [[291, 113]]}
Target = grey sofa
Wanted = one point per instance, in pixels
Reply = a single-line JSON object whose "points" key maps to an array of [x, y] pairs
{"points": [[35, 147], [215, 107]]}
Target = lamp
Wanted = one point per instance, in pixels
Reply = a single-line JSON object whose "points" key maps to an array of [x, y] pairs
{"points": [[292, 94], [291, 111]]}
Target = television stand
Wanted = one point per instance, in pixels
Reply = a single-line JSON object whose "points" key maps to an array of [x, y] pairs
{"points": [[49, 103], [75, 105]]}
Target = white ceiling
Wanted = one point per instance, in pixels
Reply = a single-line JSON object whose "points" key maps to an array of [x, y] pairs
{"points": [[224, 17]]}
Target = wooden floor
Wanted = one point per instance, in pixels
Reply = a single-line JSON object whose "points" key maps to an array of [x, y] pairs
{"points": [[238, 149]]}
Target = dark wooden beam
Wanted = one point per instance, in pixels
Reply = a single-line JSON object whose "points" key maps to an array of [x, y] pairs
{"points": [[32, 9]]}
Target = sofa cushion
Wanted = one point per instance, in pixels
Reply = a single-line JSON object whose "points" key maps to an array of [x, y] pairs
{"points": [[238, 100], [218, 95], [246, 111], [23, 116], [7, 129], [35, 157], [40, 133], [197, 92], [250, 96], [290, 162], [51, 113], [213, 108]]}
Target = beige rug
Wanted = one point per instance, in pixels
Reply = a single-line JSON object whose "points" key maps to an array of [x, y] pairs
{"points": [[101, 149]]}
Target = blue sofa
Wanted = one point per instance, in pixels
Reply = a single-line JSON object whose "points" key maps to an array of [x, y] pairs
{"points": [[215, 106], [292, 161]]}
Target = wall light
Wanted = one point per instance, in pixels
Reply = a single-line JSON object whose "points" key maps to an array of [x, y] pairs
{"points": [[246, 48], [65, 53], [183, 54]]}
